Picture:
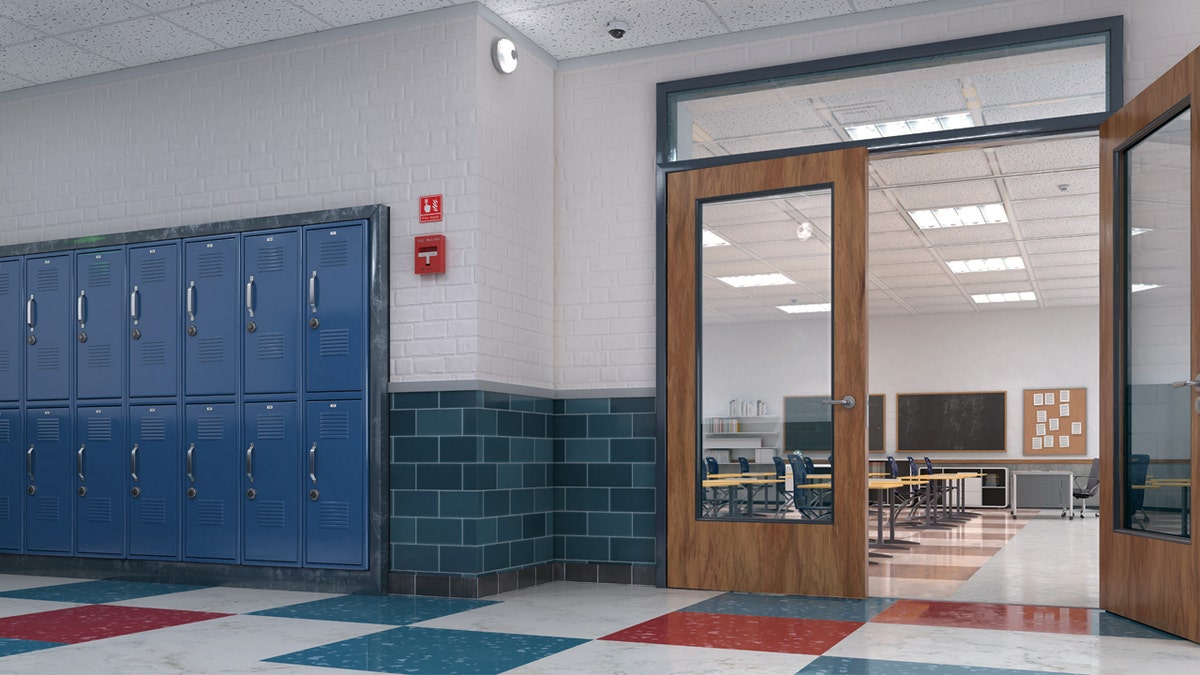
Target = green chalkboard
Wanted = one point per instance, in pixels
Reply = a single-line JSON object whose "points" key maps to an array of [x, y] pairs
{"points": [[808, 424], [959, 421]]}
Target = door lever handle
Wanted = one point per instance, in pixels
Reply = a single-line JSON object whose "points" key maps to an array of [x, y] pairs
{"points": [[847, 402], [1187, 383]]}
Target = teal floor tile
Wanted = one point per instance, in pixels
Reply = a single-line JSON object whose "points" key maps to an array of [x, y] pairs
{"points": [[397, 610]]}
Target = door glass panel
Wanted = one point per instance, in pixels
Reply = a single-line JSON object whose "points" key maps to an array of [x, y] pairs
{"points": [[1157, 448], [766, 288]]}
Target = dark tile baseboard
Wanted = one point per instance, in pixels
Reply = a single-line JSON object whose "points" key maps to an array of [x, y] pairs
{"points": [[486, 585]]}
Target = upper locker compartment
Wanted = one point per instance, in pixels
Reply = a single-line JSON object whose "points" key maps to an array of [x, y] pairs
{"points": [[212, 317], [153, 320], [48, 334], [11, 330], [271, 312], [99, 333], [335, 307]]}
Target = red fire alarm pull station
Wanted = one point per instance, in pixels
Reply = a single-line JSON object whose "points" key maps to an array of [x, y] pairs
{"points": [[430, 254]]}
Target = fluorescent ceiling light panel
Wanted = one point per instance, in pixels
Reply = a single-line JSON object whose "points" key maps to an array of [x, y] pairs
{"points": [[959, 216], [989, 298], [986, 265], [1135, 231], [753, 280], [920, 125], [708, 239], [804, 309], [1138, 288]]}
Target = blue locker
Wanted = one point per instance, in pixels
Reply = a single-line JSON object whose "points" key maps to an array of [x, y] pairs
{"points": [[12, 480], [49, 334], [12, 332], [99, 331], [154, 320], [49, 464], [212, 316], [154, 491], [335, 308], [271, 316], [211, 482], [335, 480], [271, 484], [100, 468]]}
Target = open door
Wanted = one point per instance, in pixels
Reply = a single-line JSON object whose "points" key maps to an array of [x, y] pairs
{"points": [[1150, 354], [734, 536]]}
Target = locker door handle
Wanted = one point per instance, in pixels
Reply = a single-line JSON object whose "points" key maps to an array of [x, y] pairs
{"points": [[312, 463], [250, 297], [133, 463], [250, 462], [29, 463], [312, 292], [29, 309], [190, 451], [133, 304], [79, 464], [81, 309], [191, 301]]}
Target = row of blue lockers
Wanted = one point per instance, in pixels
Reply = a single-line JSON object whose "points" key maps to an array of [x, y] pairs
{"points": [[255, 314]]}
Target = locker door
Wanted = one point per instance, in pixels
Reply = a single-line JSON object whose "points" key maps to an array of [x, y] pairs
{"points": [[49, 464], [100, 469], [336, 481], [271, 316], [271, 483], [335, 311], [12, 332], [153, 320], [12, 480], [154, 481], [211, 482], [213, 316], [99, 331], [48, 314]]}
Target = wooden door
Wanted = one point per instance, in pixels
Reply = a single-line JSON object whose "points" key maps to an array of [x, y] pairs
{"points": [[1150, 354], [759, 552]]}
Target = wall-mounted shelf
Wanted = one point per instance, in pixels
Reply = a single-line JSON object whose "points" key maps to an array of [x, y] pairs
{"points": [[754, 437]]}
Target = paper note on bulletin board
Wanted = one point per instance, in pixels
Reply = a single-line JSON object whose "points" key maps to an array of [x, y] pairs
{"points": [[1055, 421]]}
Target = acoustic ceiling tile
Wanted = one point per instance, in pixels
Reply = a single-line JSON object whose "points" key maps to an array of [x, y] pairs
{"points": [[910, 269], [12, 32], [54, 17], [232, 23], [1071, 302], [918, 282], [779, 141], [1041, 156], [789, 248], [1060, 293], [976, 234], [140, 41], [1082, 181], [1081, 105], [997, 276], [948, 194], [1059, 227], [932, 167], [1004, 287], [49, 60], [889, 221], [1045, 260], [896, 256], [1069, 282], [1080, 74], [928, 291], [995, 250], [1068, 272], [1056, 207], [942, 301], [338, 13], [1087, 242], [890, 98], [892, 240]]}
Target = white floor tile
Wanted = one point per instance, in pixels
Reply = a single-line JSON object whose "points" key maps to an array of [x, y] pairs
{"points": [[225, 599], [624, 658]]}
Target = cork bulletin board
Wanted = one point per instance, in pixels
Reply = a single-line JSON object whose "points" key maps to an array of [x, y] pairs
{"points": [[1055, 421]]}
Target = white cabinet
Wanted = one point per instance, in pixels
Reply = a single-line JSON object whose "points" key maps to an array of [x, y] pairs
{"points": [[755, 437]]}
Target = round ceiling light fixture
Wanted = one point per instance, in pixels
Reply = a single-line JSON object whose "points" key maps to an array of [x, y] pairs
{"points": [[804, 231], [504, 55]]}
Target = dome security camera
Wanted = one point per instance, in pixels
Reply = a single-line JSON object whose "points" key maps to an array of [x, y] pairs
{"points": [[617, 29]]}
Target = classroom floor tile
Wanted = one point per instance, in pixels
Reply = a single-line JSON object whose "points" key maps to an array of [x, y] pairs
{"points": [[94, 622], [96, 592], [1072, 620], [739, 631], [396, 610]]}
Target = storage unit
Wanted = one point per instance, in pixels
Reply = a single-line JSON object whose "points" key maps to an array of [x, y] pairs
{"points": [[48, 313], [271, 484], [12, 480], [100, 469], [989, 491], [12, 333], [154, 320], [213, 326], [50, 481], [99, 334], [154, 481]]}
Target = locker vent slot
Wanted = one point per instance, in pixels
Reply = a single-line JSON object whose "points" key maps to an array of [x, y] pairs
{"points": [[5, 432], [154, 353], [99, 510], [154, 429], [5, 283], [99, 429], [335, 342], [271, 514], [335, 425], [210, 350], [47, 430], [210, 264], [154, 512], [99, 273], [5, 361], [271, 427], [99, 356], [210, 428], [335, 515], [47, 508], [335, 253], [154, 271], [47, 280], [210, 512], [270, 346], [271, 258], [48, 358], [5, 507]]}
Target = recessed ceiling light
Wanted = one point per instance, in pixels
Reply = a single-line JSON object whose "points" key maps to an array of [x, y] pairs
{"points": [[708, 239], [804, 231], [804, 309], [986, 265], [752, 280], [1135, 231], [988, 298], [959, 216], [919, 125], [1138, 288]]}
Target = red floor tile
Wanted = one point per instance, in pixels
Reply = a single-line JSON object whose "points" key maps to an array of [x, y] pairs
{"points": [[1027, 618], [94, 622], [728, 631]]}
